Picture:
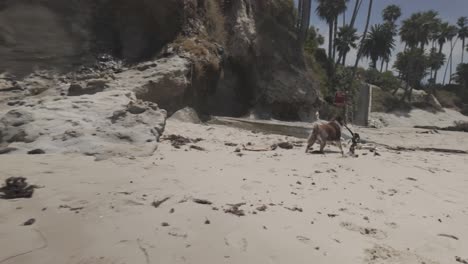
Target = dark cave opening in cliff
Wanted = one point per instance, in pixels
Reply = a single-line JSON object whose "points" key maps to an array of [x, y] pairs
{"points": [[234, 92], [136, 30]]}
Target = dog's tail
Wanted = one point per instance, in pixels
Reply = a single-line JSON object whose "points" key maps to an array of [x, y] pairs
{"points": [[313, 136]]}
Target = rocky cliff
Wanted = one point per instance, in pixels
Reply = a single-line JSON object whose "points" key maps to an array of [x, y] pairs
{"points": [[222, 57]]}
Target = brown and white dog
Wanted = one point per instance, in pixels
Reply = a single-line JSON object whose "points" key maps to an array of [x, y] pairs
{"points": [[330, 131]]}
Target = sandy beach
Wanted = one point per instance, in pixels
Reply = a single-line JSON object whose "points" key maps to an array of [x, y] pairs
{"points": [[217, 205]]}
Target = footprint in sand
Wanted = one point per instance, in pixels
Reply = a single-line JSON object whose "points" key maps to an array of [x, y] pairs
{"points": [[366, 231], [99, 260], [237, 242], [384, 254], [391, 225], [303, 239]]}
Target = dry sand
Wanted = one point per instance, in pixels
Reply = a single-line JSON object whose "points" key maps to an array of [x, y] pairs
{"points": [[399, 207]]}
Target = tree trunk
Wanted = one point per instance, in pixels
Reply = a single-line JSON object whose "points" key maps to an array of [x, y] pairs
{"points": [[358, 57], [386, 66], [304, 20], [344, 58], [300, 5], [344, 18], [335, 29], [437, 70], [364, 35], [381, 65], [374, 63], [330, 41], [355, 12], [463, 50], [449, 63]]}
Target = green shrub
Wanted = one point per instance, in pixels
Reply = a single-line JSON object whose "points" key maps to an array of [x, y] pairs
{"points": [[447, 99], [386, 80]]}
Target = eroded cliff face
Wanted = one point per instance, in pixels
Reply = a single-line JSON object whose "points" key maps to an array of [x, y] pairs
{"points": [[225, 57], [264, 56]]}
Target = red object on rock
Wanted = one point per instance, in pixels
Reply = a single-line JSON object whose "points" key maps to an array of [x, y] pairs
{"points": [[340, 98]]}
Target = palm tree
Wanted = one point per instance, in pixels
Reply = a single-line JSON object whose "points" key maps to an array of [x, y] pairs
{"points": [[346, 40], [418, 29], [363, 38], [379, 44], [445, 30], [450, 34], [391, 14], [462, 33], [412, 64], [436, 61], [329, 10], [461, 76]]}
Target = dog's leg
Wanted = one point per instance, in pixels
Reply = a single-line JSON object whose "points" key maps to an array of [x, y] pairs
{"points": [[311, 141], [341, 147], [322, 145]]}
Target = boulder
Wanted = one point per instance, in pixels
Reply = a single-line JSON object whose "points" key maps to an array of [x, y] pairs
{"points": [[187, 115], [92, 87], [107, 124]]}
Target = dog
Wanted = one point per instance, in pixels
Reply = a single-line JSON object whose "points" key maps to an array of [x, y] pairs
{"points": [[330, 132]]}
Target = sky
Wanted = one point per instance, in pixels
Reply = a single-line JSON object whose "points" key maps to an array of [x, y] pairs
{"points": [[449, 10]]}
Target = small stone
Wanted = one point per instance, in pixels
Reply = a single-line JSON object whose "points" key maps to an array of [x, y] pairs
{"points": [[165, 224], [29, 222]]}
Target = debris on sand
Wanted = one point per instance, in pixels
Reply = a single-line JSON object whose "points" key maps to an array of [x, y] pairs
{"points": [[463, 261], [75, 209], [207, 222], [235, 209], [202, 201], [257, 148], [156, 204], [411, 179], [294, 209], [285, 145], [449, 236], [16, 187], [262, 208], [164, 224], [178, 141], [197, 148], [230, 144], [29, 222]]}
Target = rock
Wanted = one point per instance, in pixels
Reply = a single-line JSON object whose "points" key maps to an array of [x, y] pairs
{"points": [[145, 66], [36, 152], [269, 65], [285, 145], [92, 87], [187, 115], [106, 124], [166, 84], [12, 127], [7, 150], [29, 222]]}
